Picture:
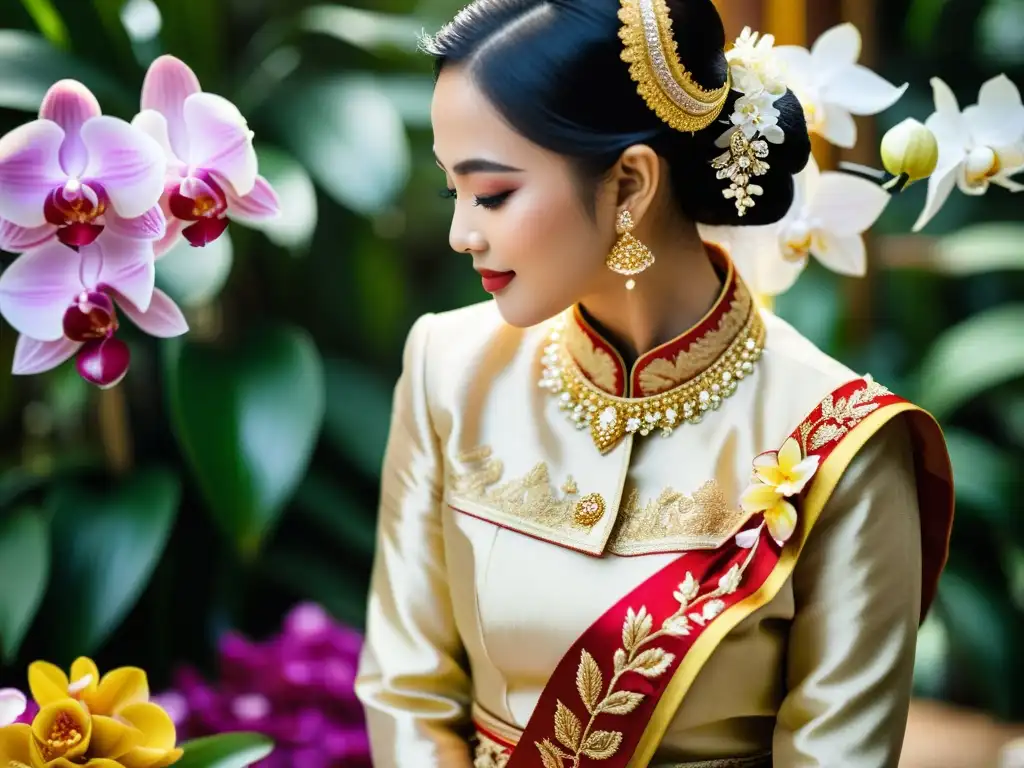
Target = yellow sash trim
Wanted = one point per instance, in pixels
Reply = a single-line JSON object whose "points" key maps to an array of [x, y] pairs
{"points": [[824, 484]]}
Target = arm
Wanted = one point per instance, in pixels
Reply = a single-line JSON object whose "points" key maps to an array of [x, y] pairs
{"points": [[857, 588], [411, 682]]}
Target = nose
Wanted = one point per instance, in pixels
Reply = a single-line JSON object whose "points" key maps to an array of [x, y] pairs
{"points": [[465, 239]]}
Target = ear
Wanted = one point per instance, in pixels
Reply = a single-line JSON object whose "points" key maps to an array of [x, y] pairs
{"points": [[636, 177]]}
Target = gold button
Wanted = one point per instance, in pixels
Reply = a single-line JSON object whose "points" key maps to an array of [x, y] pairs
{"points": [[589, 509]]}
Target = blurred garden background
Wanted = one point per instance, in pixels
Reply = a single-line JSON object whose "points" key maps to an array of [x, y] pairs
{"points": [[234, 474]]}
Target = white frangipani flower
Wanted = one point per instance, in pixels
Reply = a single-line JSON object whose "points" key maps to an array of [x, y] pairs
{"points": [[833, 87], [755, 67], [982, 145]]}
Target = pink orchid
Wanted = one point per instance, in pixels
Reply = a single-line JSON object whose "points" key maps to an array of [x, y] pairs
{"points": [[211, 164], [65, 304], [74, 171]]}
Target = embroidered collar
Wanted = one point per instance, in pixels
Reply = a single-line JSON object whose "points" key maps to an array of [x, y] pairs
{"points": [[674, 383]]}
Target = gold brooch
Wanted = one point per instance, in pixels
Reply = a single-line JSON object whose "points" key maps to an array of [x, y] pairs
{"points": [[589, 510]]}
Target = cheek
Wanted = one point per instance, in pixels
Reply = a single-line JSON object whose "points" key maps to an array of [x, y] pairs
{"points": [[553, 232]]}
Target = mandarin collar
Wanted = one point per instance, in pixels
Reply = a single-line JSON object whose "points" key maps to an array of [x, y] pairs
{"points": [[673, 363]]}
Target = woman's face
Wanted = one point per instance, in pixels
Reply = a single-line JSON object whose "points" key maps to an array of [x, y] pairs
{"points": [[518, 210]]}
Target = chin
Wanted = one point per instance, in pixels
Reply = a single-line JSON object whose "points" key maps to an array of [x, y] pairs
{"points": [[521, 312]]}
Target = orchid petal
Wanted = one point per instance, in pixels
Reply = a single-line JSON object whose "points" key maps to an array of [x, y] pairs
{"points": [[70, 104], [1007, 183], [947, 123], [940, 187], [835, 50], [220, 140], [261, 204], [12, 705], [123, 264], [29, 171], [32, 356], [847, 204], [168, 83], [998, 117], [759, 497], [163, 319], [152, 225], [38, 287], [128, 164], [840, 127], [975, 187], [797, 61], [15, 239], [775, 274], [862, 92], [781, 521], [170, 239], [845, 255]]}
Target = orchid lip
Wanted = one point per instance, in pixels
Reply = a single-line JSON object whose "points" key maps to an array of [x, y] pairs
{"points": [[91, 316]]}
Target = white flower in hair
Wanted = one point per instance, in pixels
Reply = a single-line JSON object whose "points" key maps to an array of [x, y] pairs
{"points": [[831, 211], [754, 65], [757, 114], [833, 87], [980, 146]]}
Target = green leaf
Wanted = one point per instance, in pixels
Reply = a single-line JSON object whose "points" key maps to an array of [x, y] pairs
{"points": [[349, 135], [980, 353], [29, 66], [357, 426], [247, 419], [336, 512], [988, 247], [363, 29], [24, 571], [295, 226], [105, 547], [191, 30], [195, 276], [98, 36], [983, 475], [225, 750], [50, 24], [341, 590]]}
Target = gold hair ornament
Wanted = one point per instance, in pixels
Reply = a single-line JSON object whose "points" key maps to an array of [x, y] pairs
{"points": [[662, 80]]}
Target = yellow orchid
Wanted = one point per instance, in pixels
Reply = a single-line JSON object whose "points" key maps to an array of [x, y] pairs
{"points": [[779, 475], [157, 748], [106, 695]]}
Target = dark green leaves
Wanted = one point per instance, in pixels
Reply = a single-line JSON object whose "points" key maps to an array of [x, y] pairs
{"points": [[247, 419]]}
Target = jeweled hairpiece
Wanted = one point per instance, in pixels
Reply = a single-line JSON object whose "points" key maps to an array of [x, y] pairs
{"points": [[662, 80]]}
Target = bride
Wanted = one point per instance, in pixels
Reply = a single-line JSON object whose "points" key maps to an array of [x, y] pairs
{"points": [[629, 518]]}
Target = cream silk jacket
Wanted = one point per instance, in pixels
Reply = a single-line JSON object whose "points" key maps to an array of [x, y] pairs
{"points": [[532, 481]]}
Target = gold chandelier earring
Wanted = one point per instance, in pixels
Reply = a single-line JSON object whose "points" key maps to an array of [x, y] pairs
{"points": [[629, 256]]}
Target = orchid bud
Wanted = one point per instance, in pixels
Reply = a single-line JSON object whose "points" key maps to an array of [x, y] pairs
{"points": [[910, 149]]}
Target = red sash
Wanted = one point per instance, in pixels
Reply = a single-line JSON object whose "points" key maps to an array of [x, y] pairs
{"points": [[613, 694]]}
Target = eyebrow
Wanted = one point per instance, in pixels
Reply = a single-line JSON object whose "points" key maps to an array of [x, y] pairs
{"points": [[479, 165]]}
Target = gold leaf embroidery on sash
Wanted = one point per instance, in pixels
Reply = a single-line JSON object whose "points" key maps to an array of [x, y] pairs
{"points": [[702, 519], [595, 362], [661, 375], [572, 739], [839, 417]]}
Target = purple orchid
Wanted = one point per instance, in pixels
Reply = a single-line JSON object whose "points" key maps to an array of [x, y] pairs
{"points": [[75, 171], [65, 304], [211, 166], [297, 688]]}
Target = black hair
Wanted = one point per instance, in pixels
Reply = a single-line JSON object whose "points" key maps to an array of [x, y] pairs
{"points": [[552, 69]]}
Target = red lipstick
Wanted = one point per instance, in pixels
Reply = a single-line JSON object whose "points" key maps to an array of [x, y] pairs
{"points": [[495, 281]]}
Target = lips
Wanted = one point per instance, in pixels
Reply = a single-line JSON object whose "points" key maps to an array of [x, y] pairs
{"points": [[495, 281]]}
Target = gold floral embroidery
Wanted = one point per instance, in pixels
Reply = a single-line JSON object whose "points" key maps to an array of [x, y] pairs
{"points": [[637, 655], [531, 498], [593, 361], [589, 510], [838, 418], [489, 753], [662, 375], [702, 520]]}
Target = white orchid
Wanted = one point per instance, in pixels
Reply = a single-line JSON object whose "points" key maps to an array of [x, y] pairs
{"points": [[831, 211], [982, 145], [756, 114], [833, 87]]}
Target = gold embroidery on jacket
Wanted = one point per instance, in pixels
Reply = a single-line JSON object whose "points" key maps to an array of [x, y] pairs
{"points": [[593, 361], [531, 498], [489, 753], [579, 740], [838, 418], [675, 520], [661, 375]]}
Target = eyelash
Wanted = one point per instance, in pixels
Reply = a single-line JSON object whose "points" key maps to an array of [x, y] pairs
{"points": [[490, 202]]}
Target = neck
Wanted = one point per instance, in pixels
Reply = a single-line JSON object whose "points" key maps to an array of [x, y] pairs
{"points": [[669, 298]]}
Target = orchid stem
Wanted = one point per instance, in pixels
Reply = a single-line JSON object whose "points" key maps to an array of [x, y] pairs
{"points": [[115, 434]]}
